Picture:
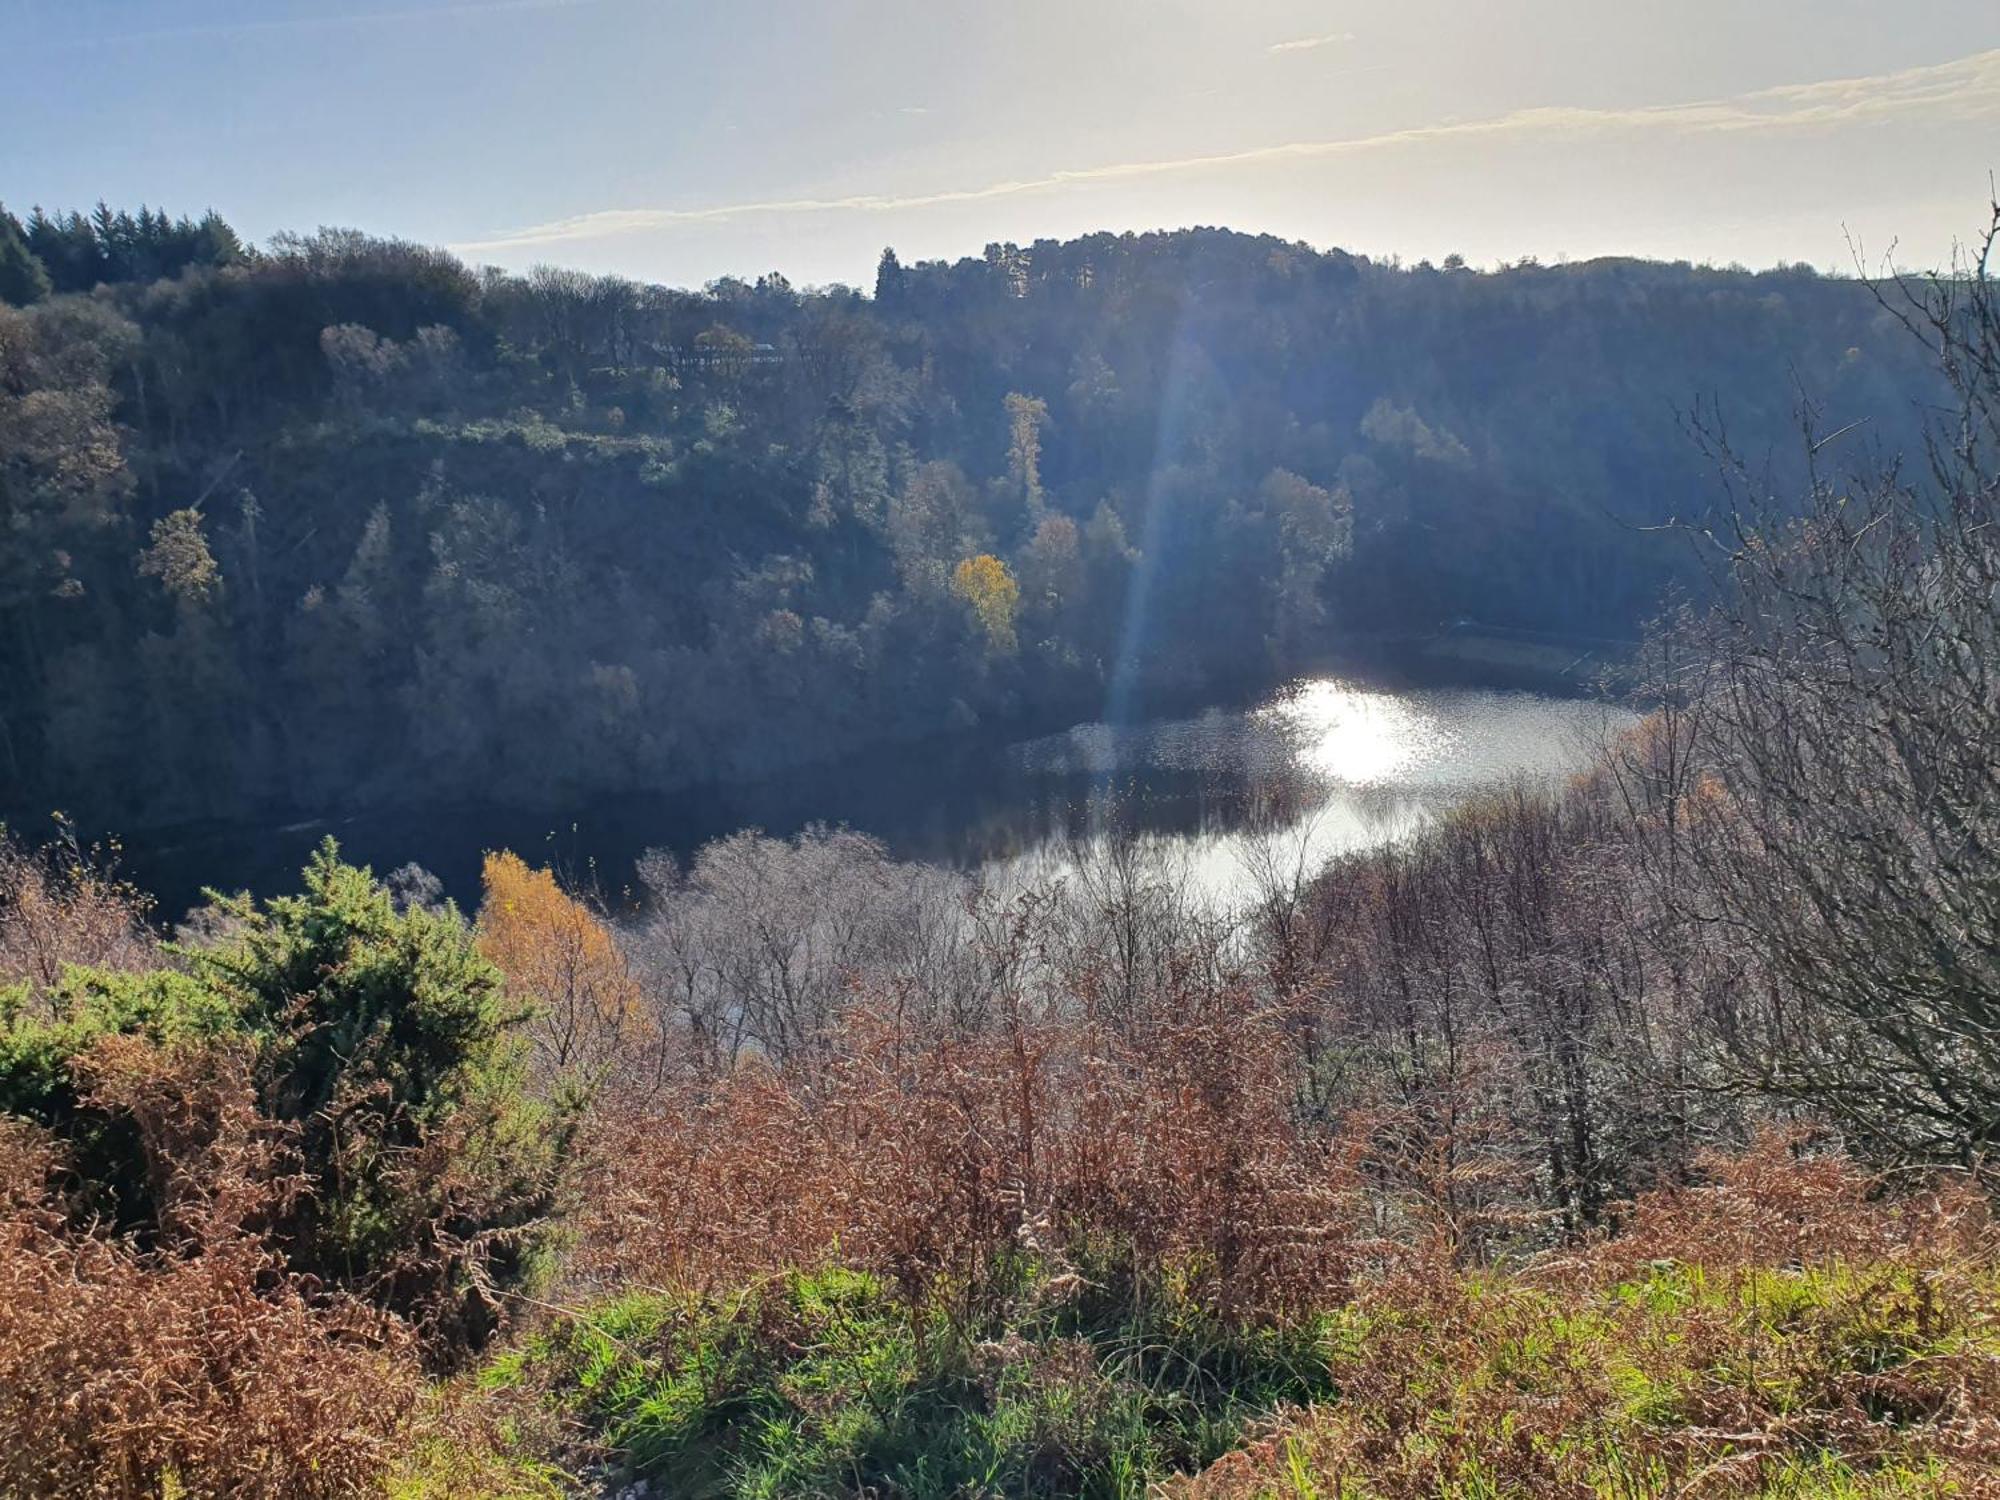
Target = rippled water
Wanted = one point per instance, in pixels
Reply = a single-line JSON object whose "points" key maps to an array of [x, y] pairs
{"points": [[1325, 766]]}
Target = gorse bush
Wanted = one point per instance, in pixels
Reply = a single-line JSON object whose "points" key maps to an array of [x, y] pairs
{"points": [[390, 1040], [45, 1071], [382, 1042]]}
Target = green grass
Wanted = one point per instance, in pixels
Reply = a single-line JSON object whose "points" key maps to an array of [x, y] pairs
{"points": [[827, 1384], [1484, 1386]]}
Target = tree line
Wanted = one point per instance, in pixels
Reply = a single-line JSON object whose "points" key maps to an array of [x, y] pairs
{"points": [[339, 520]]}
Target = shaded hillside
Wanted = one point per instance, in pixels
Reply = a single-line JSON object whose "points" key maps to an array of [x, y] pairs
{"points": [[345, 521]]}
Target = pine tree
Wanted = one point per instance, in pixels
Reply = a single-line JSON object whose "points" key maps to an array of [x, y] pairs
{"points": [[23, 278], [888, 278], [67, 247], [216, 244]]}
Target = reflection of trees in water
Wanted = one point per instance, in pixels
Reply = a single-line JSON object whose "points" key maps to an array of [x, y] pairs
{"points": [[1222, 743], [1322, 770], [1210, 781]]}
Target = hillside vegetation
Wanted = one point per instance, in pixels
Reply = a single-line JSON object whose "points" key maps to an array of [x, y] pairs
{"points": [[341, 520], [1630, 1138]]}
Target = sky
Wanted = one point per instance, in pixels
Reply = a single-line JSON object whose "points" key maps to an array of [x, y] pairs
{"points": [[677, 141]]}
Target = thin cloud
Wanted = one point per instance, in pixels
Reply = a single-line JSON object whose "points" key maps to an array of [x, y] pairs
{"points": [[1309, 43], [1967, 89], [363, 18]]}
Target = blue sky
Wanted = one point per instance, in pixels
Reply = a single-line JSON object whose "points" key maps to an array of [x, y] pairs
{"points": [[679, 141]]}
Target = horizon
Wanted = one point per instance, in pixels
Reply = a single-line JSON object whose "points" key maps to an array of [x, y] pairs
{"points": [[675, 146], [864, 285]]}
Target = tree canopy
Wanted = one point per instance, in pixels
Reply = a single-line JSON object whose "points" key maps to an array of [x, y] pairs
{"points": [[343, 521]]}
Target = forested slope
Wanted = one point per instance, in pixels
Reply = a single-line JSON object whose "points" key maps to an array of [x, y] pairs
{"points": [[1631, 1137], [344, 521]]}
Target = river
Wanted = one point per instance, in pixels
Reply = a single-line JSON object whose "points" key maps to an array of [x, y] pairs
{"points": [[1325, 765]]}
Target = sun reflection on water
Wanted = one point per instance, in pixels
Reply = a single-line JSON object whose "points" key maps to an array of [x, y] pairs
{"points": [[1324, 768], [1348, 734]]}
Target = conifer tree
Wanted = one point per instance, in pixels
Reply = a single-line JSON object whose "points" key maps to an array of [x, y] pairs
{"points": [[23, 278]]}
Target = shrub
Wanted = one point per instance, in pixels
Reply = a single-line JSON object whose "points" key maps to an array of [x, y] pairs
{"points": [[388, 1038], [61, 905], [200, 1365], [1172, 1154], [44, 1073], [383, 1042]]}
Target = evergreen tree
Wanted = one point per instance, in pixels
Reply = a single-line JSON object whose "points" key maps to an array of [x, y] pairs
{"points": [[68, 247], [23, 278], [888, 278], [214, 242]]}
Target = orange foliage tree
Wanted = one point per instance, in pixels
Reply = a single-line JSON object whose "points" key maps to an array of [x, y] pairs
{"points": [[589, 1018]]}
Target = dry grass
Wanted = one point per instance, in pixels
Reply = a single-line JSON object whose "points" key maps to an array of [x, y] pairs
{"points": [[1173, 1152], [1788, 1330], [195, 1364]]}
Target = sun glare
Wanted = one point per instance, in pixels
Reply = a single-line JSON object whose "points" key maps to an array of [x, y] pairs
{"points": [[1346, 734]]}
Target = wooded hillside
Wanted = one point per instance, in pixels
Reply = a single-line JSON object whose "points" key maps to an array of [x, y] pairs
{"points": [[343, 521]]}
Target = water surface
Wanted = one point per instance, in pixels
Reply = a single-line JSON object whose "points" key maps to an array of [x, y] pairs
{"points": [[1327, 765]]}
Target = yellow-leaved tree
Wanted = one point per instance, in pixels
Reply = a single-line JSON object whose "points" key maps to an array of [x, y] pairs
{"points": [[590, 1019], [986, 585]]}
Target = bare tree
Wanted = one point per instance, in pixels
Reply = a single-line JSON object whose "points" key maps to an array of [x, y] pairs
{"points": [[63, 904], [1847, 721], [762, 942]]}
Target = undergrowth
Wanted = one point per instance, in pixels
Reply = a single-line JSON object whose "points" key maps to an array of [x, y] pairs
{"points": [[1841, 1347], [829, 1383], [1786, 1331]]}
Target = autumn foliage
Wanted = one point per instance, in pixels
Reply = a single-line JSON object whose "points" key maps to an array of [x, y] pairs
{"points": [[1110, 1221], [988, 588], [195, 1361], [939, 1163], [587, 1018], [1784, 1329]]}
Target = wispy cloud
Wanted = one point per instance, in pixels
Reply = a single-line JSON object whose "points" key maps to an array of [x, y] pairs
{"points": [[1310, 43], [1962, 91], [333, 20]]}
